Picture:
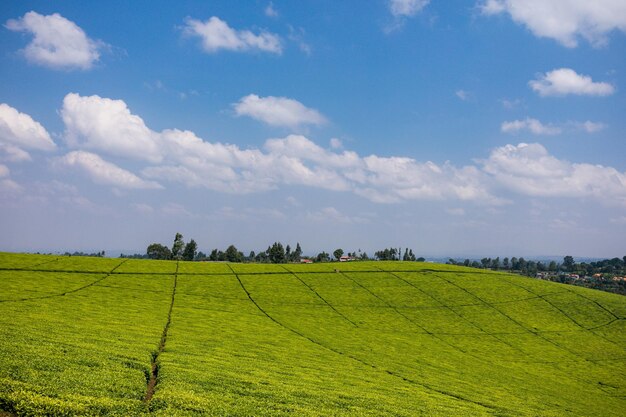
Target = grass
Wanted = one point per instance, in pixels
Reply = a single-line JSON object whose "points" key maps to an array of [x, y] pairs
{"points": [[78, 336]]}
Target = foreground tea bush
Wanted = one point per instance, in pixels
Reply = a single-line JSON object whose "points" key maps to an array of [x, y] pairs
{"points": [[369, 338]]}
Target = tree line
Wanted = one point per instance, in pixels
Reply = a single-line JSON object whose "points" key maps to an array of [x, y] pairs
{"points": [[180, 251], [275, 253], [531, 268]]}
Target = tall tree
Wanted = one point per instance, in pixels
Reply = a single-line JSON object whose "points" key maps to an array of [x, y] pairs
{"points": [[568, 263], [277, 253], [189, 253], [178, 246], [297, 253], [338, 253]]}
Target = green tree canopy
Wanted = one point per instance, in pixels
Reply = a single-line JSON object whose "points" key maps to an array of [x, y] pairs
{"points": [[233, 255], [158, 251], [178, 246], [189, 253]]}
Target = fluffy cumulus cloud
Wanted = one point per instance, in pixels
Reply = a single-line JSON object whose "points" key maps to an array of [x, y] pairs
{"points": [[216, 35], [181, 157], [534, 126], [278, 111], [565, 81], [394, 179], [530, 170], [57, 42], [19, 133], [564, 20], [104, 172], [406, 7], [107, 125]]}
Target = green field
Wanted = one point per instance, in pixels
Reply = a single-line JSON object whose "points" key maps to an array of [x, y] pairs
{"points": [[79, 336]]}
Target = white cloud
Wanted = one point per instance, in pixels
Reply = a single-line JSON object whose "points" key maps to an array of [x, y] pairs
{"points": [[19, 131], [13, 154], [103, 124], [510, 104], [564, 20], [394, 179], [532, 125], [250, 214], [216, 35], [4, 171], [298, 146], [103, 172], [297, 35], [406, 7], [331, 214], [589, 126], [535, 127], [564, 81], [181, 157], [175, 209], [58, 43], [270, 11], [462, 94], [142, 208], [530, 170], [278, 111], [9, 186]]}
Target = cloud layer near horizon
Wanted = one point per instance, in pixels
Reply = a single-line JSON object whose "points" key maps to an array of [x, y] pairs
{"points": [[174, 156]]}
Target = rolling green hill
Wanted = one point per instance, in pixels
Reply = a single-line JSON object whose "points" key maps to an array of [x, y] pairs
{"points": [[91, 336]]}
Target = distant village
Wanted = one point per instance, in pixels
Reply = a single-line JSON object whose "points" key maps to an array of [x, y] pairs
{"points": [[606, 275]]}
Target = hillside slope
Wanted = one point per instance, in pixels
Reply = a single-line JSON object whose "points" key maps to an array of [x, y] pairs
{"points": [[87, 336]]}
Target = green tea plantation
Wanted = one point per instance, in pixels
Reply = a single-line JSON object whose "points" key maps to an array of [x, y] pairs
{"points": [[94, 336]]}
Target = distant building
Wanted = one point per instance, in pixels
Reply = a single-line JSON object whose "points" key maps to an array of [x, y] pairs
{"points": [[306, 261], [346, 258]]}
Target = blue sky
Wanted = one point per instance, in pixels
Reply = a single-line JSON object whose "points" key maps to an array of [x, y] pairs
{"points": [[465, 128]]}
